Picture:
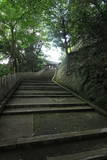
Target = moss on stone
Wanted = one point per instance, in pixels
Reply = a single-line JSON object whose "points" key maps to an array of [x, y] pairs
{"points": [[86, 73]]}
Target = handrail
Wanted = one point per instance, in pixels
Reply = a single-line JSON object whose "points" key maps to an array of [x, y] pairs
{"points": [[7, 82]]}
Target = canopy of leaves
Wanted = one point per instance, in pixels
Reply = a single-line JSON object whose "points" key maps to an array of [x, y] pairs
{"points": [[4, 70], [72, 21], [20, 26], [28, 23]]}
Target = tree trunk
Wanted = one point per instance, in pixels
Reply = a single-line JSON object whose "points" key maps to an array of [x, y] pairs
{"points": [[13, 52], [64, 35], [66, 46]]}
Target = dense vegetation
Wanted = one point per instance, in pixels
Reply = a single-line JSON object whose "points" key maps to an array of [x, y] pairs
{"points": [[74, 21], [21, 29], [25, 26], [84, 69], [4, 70]]}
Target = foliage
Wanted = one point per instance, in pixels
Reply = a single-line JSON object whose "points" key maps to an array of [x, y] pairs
{"points": [[72, 21], [57, 19], [26, 24], [89, 20], [33, 59], [20, 27], [4, 70]]}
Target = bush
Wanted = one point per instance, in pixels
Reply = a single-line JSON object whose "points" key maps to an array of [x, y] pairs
{"points": [[4, 70]]}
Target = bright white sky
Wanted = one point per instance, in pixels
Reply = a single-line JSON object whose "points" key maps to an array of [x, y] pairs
{"points": [[5, 61], [52, 53]]}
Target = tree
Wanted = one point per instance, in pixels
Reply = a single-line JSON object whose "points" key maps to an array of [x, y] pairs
{"points": [[57, 19], [88, 20], [18, 24], [32, 57], [72, 21]]}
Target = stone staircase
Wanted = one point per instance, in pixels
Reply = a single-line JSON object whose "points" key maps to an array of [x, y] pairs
{"points": [[43, 121]]}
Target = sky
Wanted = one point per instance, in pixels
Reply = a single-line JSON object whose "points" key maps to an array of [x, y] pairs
{"points": [[52, 53], [5, 61]]}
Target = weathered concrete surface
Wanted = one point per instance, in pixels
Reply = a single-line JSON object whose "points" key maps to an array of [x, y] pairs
{"points": [[15, 126], [36, 92], [45, 109], [37, 129], [53, 123], [43, 75], [20, 126], [90, 155], [41, 152], [32, 101], [41, 87], [42, 96]]}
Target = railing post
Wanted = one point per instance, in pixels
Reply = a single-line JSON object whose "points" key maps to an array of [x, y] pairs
{"points": [[0, 82]]}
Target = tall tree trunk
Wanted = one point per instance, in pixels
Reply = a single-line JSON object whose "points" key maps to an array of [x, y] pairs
{"points": [[66, 45], [13, 52], [64, 35]]}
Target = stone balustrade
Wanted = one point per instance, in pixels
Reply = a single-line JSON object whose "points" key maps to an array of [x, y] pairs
{"points": [[7, 82]]}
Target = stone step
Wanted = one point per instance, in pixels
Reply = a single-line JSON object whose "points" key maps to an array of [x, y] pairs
{"points": [[35, 81], [40, 84], [43, 105], [35, 84], [75, 140], [27, 120], [47, 151], [39, 96], [41, 92], [41, 88], [28, 110], [98, 154], [46, 124], [46, 101]]}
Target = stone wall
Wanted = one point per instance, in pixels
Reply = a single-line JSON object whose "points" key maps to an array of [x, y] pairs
{"points": [[85, 72]]}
